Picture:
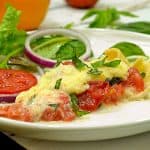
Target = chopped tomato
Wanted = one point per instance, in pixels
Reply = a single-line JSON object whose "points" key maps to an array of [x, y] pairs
{"points": [[135, 80], [16, 112], [62, 112], [15, 81], [100, 92], [114, 94], [91, 99]]}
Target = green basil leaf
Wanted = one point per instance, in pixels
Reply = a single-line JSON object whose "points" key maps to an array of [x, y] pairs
{"points": [[81, 113], [98, 64], [58, 83], [105, 18], [65, 52], [75, 107], [141, 27], [129, 49], [128, 14], [114, 63], [90, 13], [78, 46], [78, 63], [70, 50]]}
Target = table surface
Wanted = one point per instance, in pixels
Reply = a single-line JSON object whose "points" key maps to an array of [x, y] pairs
{"points": [[60, 14]]}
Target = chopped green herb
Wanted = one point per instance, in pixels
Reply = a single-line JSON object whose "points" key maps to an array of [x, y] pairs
{"points": [[114, 63], [143, 74], [98, 64], [129, 49], [102, 63], [55, 106], [94, 71], [78, 63], [58, 83], [75, 107]]}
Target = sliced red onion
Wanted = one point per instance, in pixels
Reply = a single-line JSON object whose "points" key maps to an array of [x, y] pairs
{"points": [[7, 98], [49, 62]]}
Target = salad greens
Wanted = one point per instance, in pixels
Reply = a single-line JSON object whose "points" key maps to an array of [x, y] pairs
{"points": [[105, 18], [110, 18], [129, 49], [140, 26], [48, 46], [11, 39]]}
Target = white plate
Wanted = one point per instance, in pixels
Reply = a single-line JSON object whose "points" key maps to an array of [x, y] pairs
{"points": [[121, 120]]}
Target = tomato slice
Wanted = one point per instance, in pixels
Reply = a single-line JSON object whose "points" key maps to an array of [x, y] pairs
{"points": [[135, 80], [15, 81]]}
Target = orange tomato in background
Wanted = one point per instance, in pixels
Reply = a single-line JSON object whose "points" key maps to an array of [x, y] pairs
{"points": [[33, 12]]}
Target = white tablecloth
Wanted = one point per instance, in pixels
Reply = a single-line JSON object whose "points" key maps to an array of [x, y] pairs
{"points": [[60, 14]]}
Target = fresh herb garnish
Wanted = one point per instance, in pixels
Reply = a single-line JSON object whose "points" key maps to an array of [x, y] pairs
{"points": [[129, 49], [98, 64], [140, 26], [58, 83], [105, 18], [78, 63], [102, 63], [143, 74], [55, 106], [72, 50], [113, 64], [75, 107], [11, 39]]}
